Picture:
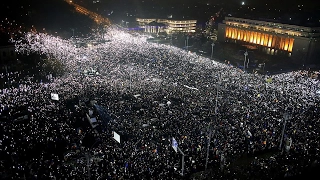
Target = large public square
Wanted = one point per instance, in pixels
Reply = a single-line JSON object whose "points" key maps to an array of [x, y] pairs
{"points": [[227, 123]]}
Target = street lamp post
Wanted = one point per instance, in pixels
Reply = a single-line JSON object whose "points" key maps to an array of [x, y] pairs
{"points": [[212, 45], [286, 116], [88, 165], [7, 74], [208, 146], [182, 161], [245, 59], [210, 128], [130, 79], [187, 42]]}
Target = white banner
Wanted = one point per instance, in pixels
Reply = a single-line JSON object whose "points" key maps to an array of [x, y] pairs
{"points": [[54, 96], [93, 122], [90, 112], [174, 144], [191, 87], [116, 136]]}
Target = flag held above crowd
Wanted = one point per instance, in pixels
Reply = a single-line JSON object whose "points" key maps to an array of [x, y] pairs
{"points": [[116, 136], [54, 96], [174, 144]]}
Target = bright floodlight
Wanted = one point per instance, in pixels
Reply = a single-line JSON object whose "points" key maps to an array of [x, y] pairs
{"points": [[242, 3]]}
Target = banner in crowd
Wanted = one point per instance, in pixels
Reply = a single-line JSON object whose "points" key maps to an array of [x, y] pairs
{"points": [[92, 121], [193, 88], [90, 112], [54, 96], [116, 136], [137, 95], [269, 80], [174, 144]]}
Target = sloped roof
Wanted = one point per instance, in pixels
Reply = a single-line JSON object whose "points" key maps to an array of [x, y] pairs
{"points": [[154, 23]]}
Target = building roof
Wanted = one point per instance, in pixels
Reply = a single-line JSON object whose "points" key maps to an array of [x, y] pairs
{"points": [[154, 23]]}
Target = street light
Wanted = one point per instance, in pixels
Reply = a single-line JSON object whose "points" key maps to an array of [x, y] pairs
{"points": [[208, 146], [130, 86], [187, 42], [8, 79], [130, 76], [130, 82], [212, 45], [210, 128], [216, 106], [286, 116], [88, 157], [245, 59], [182, 161]]}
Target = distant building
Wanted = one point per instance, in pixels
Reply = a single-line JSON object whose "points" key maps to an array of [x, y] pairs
{"points": [[301, 44], [154, 27], [167, 25]]}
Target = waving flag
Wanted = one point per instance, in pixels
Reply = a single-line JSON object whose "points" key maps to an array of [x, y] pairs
{"points": [[174, 144]]}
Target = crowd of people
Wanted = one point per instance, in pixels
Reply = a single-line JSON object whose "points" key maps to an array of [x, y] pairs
{"points": [[218, 114]]}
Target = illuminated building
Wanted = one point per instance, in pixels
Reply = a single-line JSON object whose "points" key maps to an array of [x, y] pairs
{"points": [[298, 42], [171, 26], [154, 27]]}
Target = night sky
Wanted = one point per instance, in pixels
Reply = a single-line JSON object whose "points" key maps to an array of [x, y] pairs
{"points": [[57, 15]]}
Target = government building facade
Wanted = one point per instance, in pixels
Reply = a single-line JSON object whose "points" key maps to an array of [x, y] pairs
{"points": [[301, 44], [166, 25]]}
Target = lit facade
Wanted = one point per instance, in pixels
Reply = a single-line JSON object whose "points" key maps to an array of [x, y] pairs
{"points": [[171, 26], [260, 38], [300, 43]]}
